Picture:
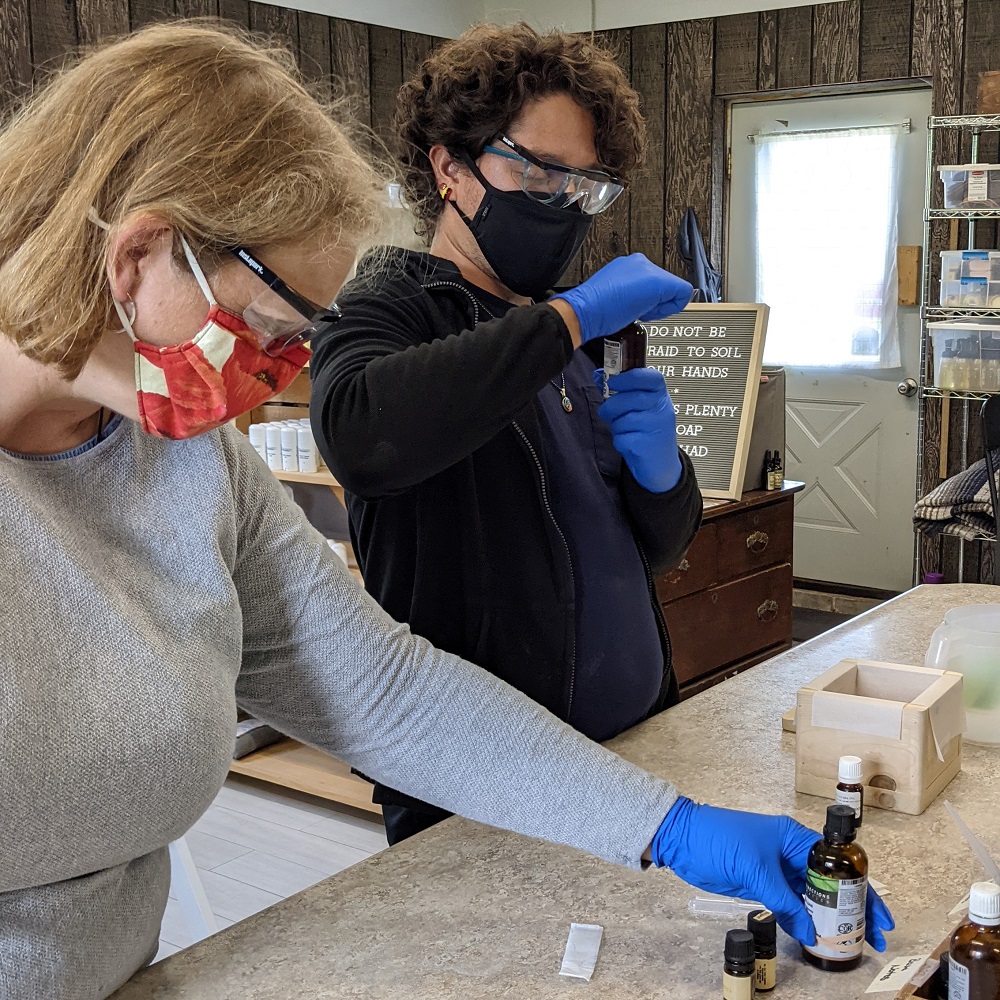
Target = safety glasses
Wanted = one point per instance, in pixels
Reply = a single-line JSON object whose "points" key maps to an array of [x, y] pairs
{"points": [[553, 184], [280, 316]]}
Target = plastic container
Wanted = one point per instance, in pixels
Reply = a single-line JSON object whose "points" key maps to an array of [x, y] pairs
{"points": [[272, 439], [971, 185], [966, 355], [968, 642], [967, 293], [289, 449], [957, 264], [257, 439]]}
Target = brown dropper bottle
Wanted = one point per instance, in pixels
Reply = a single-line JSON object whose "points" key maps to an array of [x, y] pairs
{"points": [[850, 787], [624, 351], [974, 953], [836, 892]]}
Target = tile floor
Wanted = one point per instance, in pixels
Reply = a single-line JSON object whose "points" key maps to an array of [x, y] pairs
{"points": [[258, 844]]}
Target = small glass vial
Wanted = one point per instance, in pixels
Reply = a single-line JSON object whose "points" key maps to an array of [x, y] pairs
{"points": [[974, 954], [624, 351], [738, 972], [777, 477], [764, 928], [836, 893], [850, 788]]}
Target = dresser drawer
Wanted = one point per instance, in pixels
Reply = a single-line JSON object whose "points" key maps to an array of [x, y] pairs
{"points": [[697, 570], [754, 539], [727, 623]]}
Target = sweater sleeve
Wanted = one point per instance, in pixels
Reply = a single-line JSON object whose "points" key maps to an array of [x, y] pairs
{"points": [[664, 523], [324, 664], [396, 399]]}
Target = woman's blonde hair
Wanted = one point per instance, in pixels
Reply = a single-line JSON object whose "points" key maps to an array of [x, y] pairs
{"points": [[203, 125]]}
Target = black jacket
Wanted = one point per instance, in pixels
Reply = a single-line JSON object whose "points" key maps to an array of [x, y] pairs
{"points": [[424, 409]]}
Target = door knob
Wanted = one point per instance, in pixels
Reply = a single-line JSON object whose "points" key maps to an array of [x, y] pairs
{"points": [[908, 387]]}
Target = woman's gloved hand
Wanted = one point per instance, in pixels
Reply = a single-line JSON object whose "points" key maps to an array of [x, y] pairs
{"points": [[627, 289], [754, 857], [643, 428]]}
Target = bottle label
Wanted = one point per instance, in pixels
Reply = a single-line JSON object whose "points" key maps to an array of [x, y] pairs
{"points": [[837, 907], [612, 357], [766, 973], [737, 987], [958, 981], [852, 799]]}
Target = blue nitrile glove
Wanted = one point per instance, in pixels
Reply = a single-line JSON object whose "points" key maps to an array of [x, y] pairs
{"points": [[643, 427], [627, 289], [760, 858]]}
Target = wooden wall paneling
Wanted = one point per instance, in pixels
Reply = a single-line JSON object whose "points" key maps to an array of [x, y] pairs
{"points": [[885, 39], [350, 66], [143, 12], [982, 54], [922, 38], [416, 48], [237, 11], [279, 23], [15, 52], [97, 20], [767, 62], [715, 233], [314, 53], [836, 42], [948, 28], [737, 49], [690, 52], [197, 8], [795, 27], [52, 26], [386, 54], [610, 234], [649, 77]]}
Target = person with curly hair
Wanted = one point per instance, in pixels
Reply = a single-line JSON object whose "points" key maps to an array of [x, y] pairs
{"points": [[497, 503]]}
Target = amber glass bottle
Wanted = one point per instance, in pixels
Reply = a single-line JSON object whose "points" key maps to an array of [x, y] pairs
{"points": [[850, 790], [974, 972], [836, 892], [624, 351], [738, 972]]}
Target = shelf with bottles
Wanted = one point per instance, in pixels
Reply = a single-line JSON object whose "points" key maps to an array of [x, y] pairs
{"points": [[322, 477]]}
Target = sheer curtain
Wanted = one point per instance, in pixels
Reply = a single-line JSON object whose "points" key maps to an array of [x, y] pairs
{"points": [[826, 234]]}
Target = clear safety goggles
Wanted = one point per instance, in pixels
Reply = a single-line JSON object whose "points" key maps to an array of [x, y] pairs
{"points": [[280, 316], [553, 184]]}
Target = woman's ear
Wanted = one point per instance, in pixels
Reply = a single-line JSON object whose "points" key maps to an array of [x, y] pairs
{"points": [[135, 247], [448, 172]]}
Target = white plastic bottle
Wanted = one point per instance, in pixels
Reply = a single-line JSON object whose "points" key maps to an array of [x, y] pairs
{"points": [[272, 439], [289, 449], [306, 449], [258, 440]]}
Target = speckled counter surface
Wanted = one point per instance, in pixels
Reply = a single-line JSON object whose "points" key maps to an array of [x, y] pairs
{"points": [[468, 912]]}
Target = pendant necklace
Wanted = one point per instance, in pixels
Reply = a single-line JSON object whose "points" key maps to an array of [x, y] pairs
{"points": [[567, 403]]}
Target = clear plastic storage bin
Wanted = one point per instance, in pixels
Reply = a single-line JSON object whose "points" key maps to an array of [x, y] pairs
{"points": [[971, 185], [966, 356]]}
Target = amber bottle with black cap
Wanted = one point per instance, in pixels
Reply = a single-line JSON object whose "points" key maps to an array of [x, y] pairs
{"points": [[624, 351]]}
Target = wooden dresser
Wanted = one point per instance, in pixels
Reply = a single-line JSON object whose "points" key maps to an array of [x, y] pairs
{"points": [[729, 603]]}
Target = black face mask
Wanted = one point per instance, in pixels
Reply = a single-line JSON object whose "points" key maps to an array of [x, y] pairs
{"points": [[528, 244]]}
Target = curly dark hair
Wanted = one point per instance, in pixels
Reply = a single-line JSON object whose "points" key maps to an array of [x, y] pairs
{"points": [[472, 89]]}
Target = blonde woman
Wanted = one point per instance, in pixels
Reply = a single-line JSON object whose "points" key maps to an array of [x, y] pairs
{"points": [[176, 217]]}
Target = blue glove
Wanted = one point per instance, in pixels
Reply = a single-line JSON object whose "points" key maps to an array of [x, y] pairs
{"points": [[643, 427], [627, 289], [760, 858]]}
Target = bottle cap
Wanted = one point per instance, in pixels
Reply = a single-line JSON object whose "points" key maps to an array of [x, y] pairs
{"points": [[840, 822], [850, 770], [984, 903], [739, 946], [763, 925]]}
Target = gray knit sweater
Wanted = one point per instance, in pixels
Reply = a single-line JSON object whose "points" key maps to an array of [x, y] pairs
{"points": [[150, 586]]}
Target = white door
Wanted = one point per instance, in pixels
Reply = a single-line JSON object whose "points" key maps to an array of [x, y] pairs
{"points": [[851, 437]]}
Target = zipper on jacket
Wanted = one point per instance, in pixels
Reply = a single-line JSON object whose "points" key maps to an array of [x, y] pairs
{"points": [[464, 290], [569, 557]]}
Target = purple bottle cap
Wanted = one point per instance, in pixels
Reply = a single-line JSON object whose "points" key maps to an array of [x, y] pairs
{"points": [[933, 577]]}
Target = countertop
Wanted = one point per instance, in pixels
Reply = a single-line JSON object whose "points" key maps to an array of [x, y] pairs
{"points": [[466, 911]]}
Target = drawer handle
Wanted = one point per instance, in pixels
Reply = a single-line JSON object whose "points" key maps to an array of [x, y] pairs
{"points": [[757, 542], [768, 611]]}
